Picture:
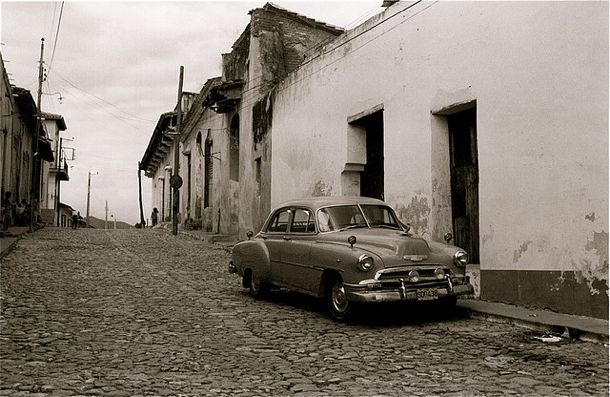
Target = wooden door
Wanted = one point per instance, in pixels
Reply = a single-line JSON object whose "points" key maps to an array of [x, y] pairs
{"points": [[465, 181]]}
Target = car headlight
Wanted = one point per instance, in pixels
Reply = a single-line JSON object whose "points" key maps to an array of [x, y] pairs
{"points": [[460, 258], [365, 262]]}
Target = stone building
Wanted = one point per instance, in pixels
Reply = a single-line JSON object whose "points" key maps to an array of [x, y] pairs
{"points": [[158, 160], [270, 47], [488, 120], [225, 159]]}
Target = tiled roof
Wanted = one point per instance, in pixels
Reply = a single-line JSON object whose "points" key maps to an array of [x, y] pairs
{"points": [[60, 119], [275, 7]]}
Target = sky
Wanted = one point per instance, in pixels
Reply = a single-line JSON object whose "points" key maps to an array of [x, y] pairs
{"points": [[113, 69]]}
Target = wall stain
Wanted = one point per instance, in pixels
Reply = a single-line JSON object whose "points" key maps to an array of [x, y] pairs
{"points": [[590, 217], [321, 189], [417, 214], [488, 236], [522, 248]]}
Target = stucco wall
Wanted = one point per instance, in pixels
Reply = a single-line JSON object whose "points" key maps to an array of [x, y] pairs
{"points": [[538, 72]]}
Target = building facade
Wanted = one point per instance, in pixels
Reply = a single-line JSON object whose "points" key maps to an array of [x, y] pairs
{"points": [[487, 120], [225, 152], [272, 45], [53, 172], [18, 172]]}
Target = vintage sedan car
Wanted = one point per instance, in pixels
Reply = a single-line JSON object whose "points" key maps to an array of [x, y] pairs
{"points": [[348, 250]]}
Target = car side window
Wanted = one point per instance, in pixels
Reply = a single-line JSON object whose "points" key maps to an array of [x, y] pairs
{"points": [[302, 222], [279, 223]]}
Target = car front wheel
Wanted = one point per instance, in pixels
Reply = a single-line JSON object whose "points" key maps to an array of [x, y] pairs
{"points": [[339, 307]]}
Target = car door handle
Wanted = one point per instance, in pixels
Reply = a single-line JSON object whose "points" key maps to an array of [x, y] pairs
{"points": [[286, 238]]}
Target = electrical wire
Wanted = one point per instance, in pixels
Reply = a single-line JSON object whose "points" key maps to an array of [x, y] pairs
{"points": [[245, 102], [125, 116], [61, 11]]}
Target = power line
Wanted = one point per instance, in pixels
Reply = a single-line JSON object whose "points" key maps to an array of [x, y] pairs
{"points": [[127, 115], [244, 103], [61, 11]]}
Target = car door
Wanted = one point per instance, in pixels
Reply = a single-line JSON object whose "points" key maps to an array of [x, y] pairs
{"points": [[297, 269], [274, 237]]}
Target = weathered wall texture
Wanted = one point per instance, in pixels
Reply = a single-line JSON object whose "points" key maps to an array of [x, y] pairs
{"points": [[538, 73], [277, 46]]}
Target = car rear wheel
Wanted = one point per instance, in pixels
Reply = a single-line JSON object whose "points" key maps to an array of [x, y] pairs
{"points": [[339, 307], [257, 287]]}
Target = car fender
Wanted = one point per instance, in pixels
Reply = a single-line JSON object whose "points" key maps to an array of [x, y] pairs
{"points": [[343, 259], [252, 254]]}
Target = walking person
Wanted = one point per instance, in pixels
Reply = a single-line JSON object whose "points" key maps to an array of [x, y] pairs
{"points": [[74, 219], [154, 216]]}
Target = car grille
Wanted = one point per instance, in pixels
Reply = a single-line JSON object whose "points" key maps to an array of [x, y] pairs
{"points": [[425, 274]]}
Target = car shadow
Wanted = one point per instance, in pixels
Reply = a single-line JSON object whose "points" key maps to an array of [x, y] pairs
{"points": [[374, 315]]}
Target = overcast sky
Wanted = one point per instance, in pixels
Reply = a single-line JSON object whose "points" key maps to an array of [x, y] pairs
{"points": [[116, 66]]}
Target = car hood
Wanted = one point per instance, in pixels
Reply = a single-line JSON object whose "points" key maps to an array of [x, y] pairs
{"points": [[383, 242]]}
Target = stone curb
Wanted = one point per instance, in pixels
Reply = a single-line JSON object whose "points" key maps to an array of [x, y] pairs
{"points": [[570, 333], [17, 237], [10, 247]]}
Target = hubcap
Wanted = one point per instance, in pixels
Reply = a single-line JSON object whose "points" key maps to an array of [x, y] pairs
{"points": [[338, 298]]}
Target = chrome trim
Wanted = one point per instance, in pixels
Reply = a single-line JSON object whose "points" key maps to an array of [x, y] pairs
{"points": [[400, 269]]}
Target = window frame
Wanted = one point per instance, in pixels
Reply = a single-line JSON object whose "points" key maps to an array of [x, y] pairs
{"points": [[311, 219]]}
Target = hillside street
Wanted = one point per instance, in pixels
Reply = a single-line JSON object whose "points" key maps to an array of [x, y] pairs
{"points": [[144, 313]]}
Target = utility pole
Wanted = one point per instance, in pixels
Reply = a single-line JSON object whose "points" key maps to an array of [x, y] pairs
{"points": [[142, 222], [58, 182], [106, 221], [35, 157], [89, 194], [176, 181]]}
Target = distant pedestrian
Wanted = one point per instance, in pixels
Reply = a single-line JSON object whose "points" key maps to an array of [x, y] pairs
{"points": [[74, 219], [7, 210], [154, 216]]}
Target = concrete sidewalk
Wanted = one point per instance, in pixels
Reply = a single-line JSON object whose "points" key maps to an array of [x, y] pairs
{"points": [[9, 238], [567, 326]]}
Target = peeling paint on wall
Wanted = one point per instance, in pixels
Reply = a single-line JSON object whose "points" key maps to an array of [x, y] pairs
{"points": [[417, 214], [321, 189], [590, 217], [522, 248]]}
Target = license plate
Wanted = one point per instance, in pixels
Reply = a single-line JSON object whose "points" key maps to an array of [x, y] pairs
{"points": [[426, 294]]}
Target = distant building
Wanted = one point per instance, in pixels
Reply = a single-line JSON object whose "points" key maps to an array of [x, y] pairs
{"points": [[158, 159], [53, 172]]}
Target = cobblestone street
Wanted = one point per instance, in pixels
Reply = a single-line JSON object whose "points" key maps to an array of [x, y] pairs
{"points": [[141, 312]]}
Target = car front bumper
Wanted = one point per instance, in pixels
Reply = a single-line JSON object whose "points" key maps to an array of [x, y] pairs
{"points": [[358, 293]]}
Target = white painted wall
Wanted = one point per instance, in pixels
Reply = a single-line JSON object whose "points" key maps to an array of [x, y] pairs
{"points": [[539, 74]]}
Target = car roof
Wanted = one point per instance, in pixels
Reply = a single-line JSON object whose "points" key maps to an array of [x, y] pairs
{"points": [[324, 201]]}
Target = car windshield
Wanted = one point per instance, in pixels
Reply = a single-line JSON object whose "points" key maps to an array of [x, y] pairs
{"points": [[351, 216]]}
